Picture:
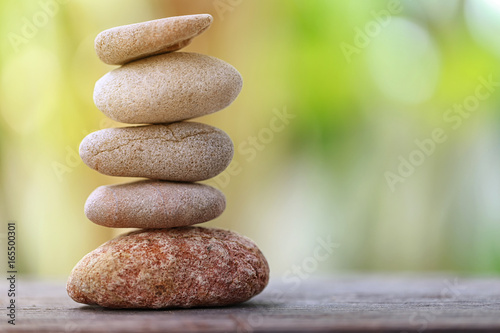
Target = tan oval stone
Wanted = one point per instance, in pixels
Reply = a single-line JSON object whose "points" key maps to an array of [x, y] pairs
{"points": [[154, 204], [119, 45], [162, 268], [167, 88], [185, 151]]}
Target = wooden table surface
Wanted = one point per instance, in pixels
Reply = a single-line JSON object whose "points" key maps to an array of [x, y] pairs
{"points": [[358, 303]]}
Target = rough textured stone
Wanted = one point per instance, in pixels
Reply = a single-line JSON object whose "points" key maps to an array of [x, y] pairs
{"points": [[167, 88], [154, 204], [184, 151], [119, 45], [178, 267]]}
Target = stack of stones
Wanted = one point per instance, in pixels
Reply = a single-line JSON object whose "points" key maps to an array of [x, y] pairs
{"points": [[167, 262]]}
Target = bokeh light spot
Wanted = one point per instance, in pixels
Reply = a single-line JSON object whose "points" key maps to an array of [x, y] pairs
{"points": [[404, 62]]}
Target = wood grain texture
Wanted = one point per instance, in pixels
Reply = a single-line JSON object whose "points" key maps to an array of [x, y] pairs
{"points": [[367, 303]]}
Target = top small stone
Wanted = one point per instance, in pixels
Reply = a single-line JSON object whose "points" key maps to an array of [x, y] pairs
{"points": [[119, 45]]}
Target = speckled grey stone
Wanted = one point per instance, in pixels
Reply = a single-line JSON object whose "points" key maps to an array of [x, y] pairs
{"points": [[119, 45], [167, 88], [184, 151], [154, 204]]}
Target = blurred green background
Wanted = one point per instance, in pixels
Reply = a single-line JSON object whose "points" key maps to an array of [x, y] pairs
{"points": [[372, 125]]}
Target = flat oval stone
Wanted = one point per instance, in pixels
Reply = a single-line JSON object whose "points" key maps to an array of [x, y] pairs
{"points": [[119, 45], [164, 268], [167, 88], [184, 151], [154, 204]]}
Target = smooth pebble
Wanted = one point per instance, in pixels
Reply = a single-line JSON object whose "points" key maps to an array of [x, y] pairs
{"points": [[119, 45], [167, 88], [184, 151], [154, 204]]}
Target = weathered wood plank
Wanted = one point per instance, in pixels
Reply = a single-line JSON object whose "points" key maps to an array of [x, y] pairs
{"points": [[338, 304]]}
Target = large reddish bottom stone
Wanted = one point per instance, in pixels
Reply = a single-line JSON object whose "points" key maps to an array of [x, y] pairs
{"points": [[179, 267]]}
